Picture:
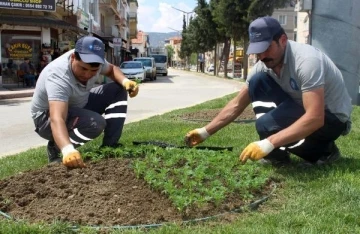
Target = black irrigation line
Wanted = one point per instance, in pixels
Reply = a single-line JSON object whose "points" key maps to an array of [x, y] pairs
{"points": [[252, 206], [167, 145], [235, 121]]}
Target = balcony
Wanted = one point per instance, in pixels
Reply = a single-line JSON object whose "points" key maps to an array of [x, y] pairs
{"points": [[123, 22], [64, 7], [133, 17], [112, 31], [71, 19], [109, 4]]}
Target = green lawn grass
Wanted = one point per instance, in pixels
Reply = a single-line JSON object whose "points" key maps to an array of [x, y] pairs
{"points": [[307, 200]]}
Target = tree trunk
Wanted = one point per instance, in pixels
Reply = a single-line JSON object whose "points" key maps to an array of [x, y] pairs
{"points": [[226, 55], [245, 58], [234, 58], [220, 59], [215, 61]]}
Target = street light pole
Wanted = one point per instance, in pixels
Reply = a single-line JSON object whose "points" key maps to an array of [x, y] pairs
{"points": [[187, 24], [179, 31], [185, 12]]}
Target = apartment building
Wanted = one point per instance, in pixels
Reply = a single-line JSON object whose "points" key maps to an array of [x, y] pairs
{"points": [[140, 44], [175, 42]]}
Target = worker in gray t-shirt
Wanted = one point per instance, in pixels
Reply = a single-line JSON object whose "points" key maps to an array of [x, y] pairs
{"points": [[298, 96], [69, 111]]}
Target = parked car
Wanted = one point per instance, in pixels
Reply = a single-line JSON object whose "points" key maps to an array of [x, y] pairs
{"points": [[149, 64], [133, 70]]}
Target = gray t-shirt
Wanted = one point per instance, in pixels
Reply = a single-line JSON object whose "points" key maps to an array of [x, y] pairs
{"points": [[57, 83], [306, 68]]}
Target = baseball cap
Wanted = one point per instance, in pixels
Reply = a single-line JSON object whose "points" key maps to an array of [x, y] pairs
{"points": [[90, 49], [261, 33]]}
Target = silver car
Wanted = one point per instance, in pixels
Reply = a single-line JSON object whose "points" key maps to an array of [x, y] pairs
{"points": [[133, 70]]}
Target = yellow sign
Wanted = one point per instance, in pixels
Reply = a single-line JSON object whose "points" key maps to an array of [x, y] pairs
{"points": [[240, 53], [20, 51]]}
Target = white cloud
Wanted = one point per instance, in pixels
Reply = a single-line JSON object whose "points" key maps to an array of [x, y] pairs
{"points": [[145, 13], [161, 17]]}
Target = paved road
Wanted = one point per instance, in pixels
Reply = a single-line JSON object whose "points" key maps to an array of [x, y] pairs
{"points": [[178, 90]]}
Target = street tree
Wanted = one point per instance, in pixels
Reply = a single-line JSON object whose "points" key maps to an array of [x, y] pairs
{"points": [[203, 30], [185, 48], [233, 18], [170, 53]]}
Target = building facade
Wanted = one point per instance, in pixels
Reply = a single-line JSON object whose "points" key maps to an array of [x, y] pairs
{"points": [[37, 30], [140, 44]]}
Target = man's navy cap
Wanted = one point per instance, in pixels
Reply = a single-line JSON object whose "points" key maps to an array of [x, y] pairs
{"points": [[261, 33], [90, 49]]}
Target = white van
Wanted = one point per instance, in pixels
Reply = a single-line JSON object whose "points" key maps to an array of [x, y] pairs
{"points": [[149, 64]]}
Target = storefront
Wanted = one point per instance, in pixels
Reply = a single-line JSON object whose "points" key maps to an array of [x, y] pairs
{"points": [[15, 46], [30, 37]]}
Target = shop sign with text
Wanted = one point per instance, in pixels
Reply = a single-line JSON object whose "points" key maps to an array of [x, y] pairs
{"points": [[35, 5], [20, 50]]}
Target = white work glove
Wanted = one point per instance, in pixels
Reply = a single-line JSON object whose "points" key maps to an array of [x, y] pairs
{"points": [[71, 157], [256, 150], [196, 136]]}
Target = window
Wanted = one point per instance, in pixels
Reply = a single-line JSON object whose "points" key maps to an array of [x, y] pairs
{"points": [[282, 19]]}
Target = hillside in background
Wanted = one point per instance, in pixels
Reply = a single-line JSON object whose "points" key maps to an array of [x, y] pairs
{"points": [[157, 38]]}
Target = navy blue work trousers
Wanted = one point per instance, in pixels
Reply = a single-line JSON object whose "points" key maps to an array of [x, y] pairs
{"points": [[276, 110], [105, 112]]}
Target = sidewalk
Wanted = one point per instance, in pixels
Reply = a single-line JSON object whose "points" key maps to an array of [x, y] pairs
{"points": [[8, 91]]}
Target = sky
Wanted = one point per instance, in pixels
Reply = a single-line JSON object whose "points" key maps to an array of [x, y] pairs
{"points": [[160, 16]]}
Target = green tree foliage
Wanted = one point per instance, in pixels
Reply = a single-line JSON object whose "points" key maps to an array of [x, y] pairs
{"points": [[203, 28], [185, 48], [219, 21], [259, 8], [234, 16], [171, 52]]}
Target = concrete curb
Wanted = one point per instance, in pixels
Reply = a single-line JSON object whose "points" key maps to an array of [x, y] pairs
{"points": [[15, 94]]}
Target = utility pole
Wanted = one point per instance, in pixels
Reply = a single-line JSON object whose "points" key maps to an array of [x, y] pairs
{"points": [[179, 31], [185, 12], [187, 24]]}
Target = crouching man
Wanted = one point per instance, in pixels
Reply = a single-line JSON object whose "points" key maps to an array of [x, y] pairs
{"points": [[67, 109], [298, 96]]}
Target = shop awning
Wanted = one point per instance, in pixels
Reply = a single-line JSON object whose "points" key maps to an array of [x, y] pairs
{"points": [[39, 21]]}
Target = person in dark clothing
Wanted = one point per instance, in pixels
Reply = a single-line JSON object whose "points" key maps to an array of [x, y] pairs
{"points": [[55, 55], [40, 67], [29, 78]]}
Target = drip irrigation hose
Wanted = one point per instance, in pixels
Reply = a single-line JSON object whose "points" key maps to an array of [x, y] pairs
{"points": [[235, 121], [166, 145], [252, 206]]}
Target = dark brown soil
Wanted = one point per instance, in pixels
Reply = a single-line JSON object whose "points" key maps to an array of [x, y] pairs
{"points": [[106, 192]]}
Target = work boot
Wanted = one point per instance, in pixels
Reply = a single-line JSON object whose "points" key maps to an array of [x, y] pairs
{"points": [[333, 156], [279, 158], [53, 153]]}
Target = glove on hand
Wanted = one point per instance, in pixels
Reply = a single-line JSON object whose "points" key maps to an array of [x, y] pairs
{"points": [[196, 136], [72, 157], [131, 87], [256, 150]]}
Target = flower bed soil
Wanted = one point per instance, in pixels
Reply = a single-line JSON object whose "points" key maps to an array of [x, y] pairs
{"points": [[106, 192]]}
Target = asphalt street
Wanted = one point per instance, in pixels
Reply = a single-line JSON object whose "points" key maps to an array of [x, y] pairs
{"points": [[178, 90]]}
